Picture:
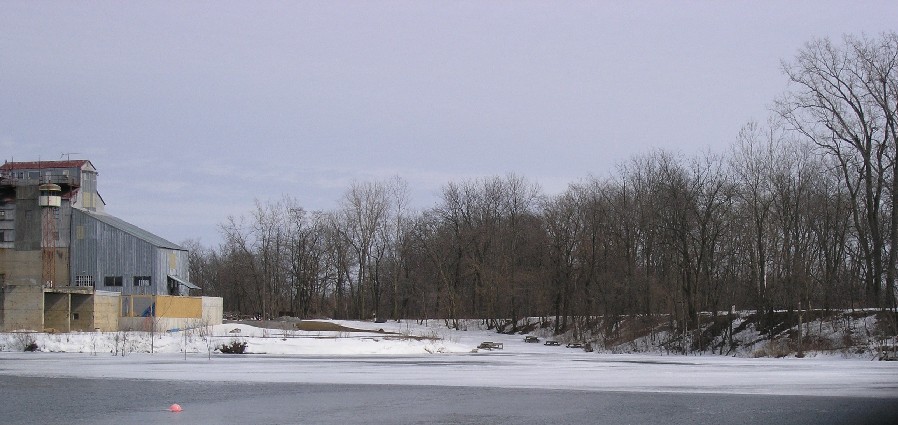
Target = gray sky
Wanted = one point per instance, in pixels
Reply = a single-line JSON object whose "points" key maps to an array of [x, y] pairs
{"points": [[192, 111]]}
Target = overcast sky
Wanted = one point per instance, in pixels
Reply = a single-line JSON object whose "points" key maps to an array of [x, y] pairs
{"points": [[192, 110]]}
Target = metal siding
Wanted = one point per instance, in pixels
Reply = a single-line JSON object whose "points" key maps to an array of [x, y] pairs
{"points": [[183, 269], [133, 230], [180, 268], [8, 225], [109, 251], [83, 253], [160, 276], [63, 226], [28, 219]]}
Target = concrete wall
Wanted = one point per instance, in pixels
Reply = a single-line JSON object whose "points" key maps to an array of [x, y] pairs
{"points": [[57, 307], [29, 307], [107, 307], [213, 310], [21, 267], [162, 324], [25, 267], [82, 313], [144, 324], [21, 307]]}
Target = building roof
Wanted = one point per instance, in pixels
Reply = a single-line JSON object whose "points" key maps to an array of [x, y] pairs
{"points": [[132, 230], [184, 282], [35, 165]]}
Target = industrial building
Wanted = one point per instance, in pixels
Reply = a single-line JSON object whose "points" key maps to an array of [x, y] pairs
{"points": [[65, 264]]}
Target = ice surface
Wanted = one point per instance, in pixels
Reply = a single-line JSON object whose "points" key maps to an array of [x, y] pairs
{"points": [[442, 357]]}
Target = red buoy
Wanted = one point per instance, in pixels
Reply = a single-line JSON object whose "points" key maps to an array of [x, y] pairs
{"points": [[174, 408]]}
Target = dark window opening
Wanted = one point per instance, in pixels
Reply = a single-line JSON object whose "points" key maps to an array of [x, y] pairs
{"points": [[113, 281]]}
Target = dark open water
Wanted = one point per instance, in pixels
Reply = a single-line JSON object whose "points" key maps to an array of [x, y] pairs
{"points": [[86, 401]]}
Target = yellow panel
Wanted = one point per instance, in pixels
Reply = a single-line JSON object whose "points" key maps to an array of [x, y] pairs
{"points": [[180, 307], [167, 306]]}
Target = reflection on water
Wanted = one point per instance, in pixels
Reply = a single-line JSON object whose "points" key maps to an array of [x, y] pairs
{"points": [[85, 401]]}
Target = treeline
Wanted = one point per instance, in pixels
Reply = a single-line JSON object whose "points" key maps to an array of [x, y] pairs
{"points": [[798, 214]]}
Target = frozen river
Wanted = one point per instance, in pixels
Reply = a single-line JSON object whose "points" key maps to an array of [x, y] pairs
{"points": [[116, 401], [551, 370], [487, 388]]}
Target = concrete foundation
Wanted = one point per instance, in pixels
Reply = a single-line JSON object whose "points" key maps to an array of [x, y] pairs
{"points": [[82, 312], [57, 307], [25, 267], [21, 307], [164, 313], [34, 308], [106, 311], [213, 310]]}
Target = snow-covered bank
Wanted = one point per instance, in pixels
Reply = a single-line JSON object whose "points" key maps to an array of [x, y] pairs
{"points": [[855, 335], [862, 334], [412, 354], [365, 338]]}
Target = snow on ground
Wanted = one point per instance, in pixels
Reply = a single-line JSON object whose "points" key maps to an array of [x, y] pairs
{"points": [[258, 340], [386, 353]]}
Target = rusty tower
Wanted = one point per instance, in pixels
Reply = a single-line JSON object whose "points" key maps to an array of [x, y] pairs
{"points": [[49, 201]]}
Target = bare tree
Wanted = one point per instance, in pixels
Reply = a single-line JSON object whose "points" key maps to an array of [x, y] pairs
{"points": [[564, 229], [365, 214], [754, 153], [242, 270], [844, 99]]}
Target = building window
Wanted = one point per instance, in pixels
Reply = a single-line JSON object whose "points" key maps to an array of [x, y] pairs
{"points": [[2, 279], [2, 236], [113, 281], [142, 281], [2, 215], [84, 280]]}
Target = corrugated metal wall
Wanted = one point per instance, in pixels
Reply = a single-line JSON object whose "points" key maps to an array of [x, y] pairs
{"points": [[8, 224], [100, 250], [63, 225], [175, 263], [28, 219]]}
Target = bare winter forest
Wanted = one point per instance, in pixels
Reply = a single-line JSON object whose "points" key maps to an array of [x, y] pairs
{"points": [[799, 214]]}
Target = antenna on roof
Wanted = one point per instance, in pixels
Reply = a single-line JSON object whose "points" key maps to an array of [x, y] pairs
{"points": [[68, 155]]}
